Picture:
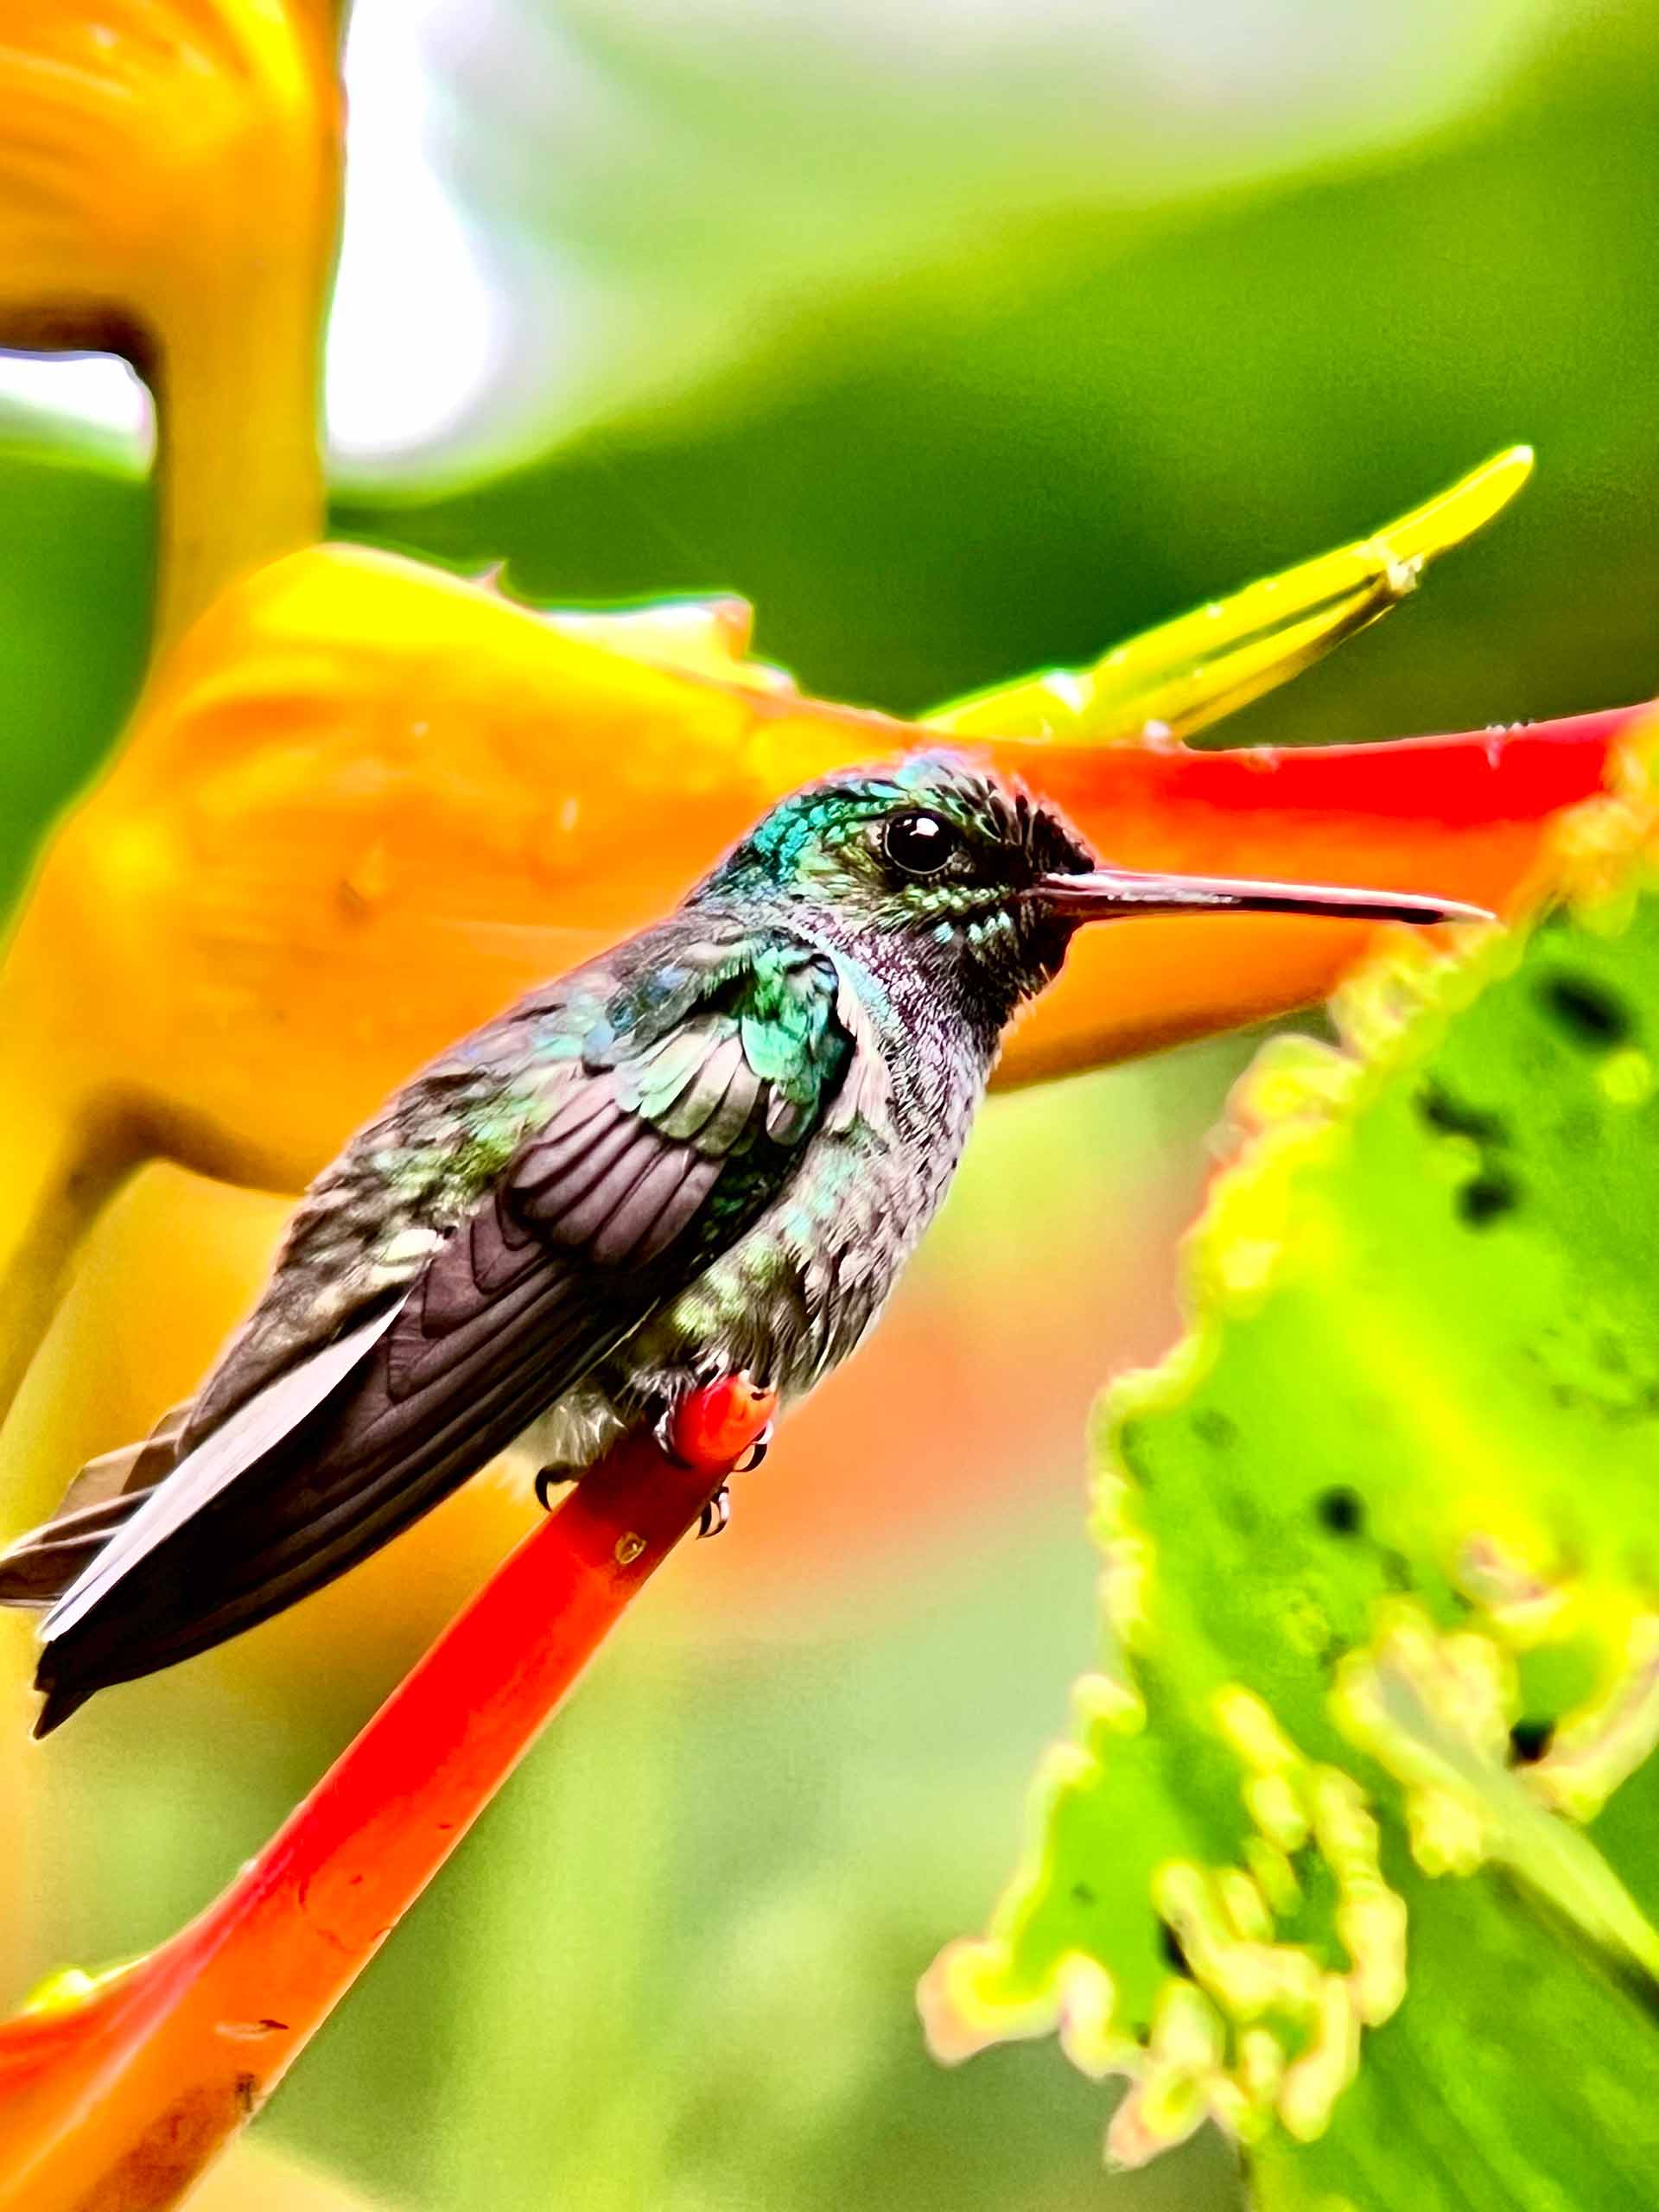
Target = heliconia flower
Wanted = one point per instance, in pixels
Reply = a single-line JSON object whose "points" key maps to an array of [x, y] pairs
{"points": [[170, 191], [364, 803], [116, 2091]]}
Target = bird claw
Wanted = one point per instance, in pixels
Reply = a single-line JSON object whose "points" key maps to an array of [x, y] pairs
{"points": [[663, 1429], [756, 1452], [546, 1481], [717, 1514]]}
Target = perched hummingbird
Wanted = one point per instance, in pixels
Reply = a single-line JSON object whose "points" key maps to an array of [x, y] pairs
{"points": [[709, 1151]]}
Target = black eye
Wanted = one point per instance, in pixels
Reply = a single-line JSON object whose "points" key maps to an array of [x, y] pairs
{"points": [[919, 844]]}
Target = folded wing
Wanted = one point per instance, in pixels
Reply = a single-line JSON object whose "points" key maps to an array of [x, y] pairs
{"points": [[680, 1116]]}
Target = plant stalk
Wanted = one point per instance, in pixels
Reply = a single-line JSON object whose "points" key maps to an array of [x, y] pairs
{"points": [[119, 2102]]}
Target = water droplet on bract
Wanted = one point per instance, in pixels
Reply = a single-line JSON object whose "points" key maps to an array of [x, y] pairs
{"points": [[367, 883]]}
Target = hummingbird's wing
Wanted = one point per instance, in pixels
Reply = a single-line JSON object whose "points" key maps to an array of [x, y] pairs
{"points": [[661, 1131]]}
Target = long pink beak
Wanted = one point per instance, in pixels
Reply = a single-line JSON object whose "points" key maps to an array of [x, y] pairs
{"points": [[1116, 894]]}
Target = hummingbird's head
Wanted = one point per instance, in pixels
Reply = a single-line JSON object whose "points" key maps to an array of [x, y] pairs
{"points": [[940, 862]]}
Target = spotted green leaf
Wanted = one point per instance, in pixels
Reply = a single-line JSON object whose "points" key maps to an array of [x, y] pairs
{"points": [[1357, 1849]]}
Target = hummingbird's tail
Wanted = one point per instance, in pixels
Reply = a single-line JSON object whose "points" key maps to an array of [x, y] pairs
{"points": [[40, 1567]]}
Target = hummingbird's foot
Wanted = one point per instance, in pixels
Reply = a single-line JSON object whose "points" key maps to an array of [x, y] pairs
{"points": [[756, 1452], [675, 1443], [548, 1480], [663, 1429], [715, 1514]]}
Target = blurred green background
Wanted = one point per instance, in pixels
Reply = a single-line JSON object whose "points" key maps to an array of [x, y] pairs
{"points": [[962, 338]]}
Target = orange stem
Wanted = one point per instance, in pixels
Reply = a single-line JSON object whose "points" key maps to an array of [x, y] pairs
{"points": [[118, 2103]]}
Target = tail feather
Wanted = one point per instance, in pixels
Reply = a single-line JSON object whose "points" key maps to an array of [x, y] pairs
{"points": [[55, 1709], [40, 1566], [135, 1467]]}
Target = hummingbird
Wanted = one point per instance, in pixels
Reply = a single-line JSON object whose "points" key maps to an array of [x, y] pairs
{"points": [[709, 1151]]}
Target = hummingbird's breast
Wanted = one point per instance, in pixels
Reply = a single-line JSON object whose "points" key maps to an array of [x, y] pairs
{"points": [[791, 1297]]}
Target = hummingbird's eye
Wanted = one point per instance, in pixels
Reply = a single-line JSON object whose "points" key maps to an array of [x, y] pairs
{"points": [[920, 844]]}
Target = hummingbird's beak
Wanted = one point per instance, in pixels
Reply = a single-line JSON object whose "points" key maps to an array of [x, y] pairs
{"points": [[1116, 894]]}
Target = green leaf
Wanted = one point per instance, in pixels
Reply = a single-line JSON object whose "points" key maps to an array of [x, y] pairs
{"points": [[1358, 1850], [74, 621]]}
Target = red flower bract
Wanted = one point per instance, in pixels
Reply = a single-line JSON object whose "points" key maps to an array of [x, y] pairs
{"points": [[116, 2101]]}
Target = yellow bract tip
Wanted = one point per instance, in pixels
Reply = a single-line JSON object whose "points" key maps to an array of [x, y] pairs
{"points": [[1454, 516], [1175, 679]]}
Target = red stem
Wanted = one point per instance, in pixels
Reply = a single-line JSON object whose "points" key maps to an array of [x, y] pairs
{"points": [[117, 2105]]}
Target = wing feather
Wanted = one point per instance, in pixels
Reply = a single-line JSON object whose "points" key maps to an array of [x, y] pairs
{"points": [[244, 1439], [692, 1111]]}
